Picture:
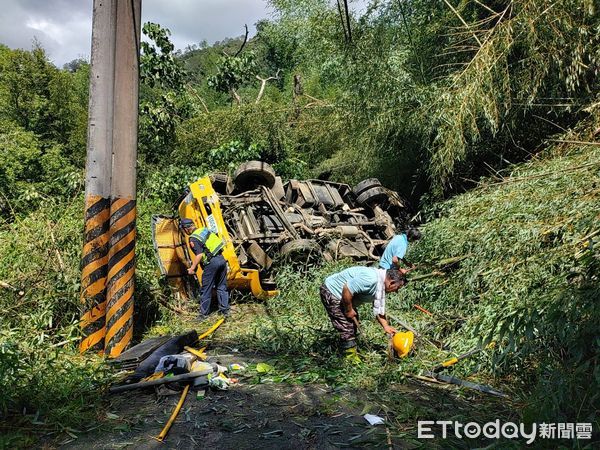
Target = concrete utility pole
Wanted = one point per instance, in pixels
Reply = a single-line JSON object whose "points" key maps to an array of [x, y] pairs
{"points": [[108, 261], [94, 262], [121, 255]]}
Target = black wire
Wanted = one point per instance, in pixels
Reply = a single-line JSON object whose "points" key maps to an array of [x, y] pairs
{"points": [[136, 36], [342, 21], [348, 20]]}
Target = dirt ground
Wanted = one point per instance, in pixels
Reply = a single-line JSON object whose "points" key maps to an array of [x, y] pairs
{"points": [[269, 415], [266, 415], [279, 415]]}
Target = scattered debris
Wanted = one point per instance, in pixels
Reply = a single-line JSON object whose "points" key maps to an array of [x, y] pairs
{"points": [[173, 361], [198, 353], [263, 368], [219, 381], [200, 394], [130, 359], [175, 364], [163, 380], [235, 367], [272, 434], [374, 420], [438, 377], [172, 346]]}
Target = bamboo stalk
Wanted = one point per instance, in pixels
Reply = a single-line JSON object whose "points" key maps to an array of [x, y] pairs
{"points": [[436, 273], [569, 141], [61, 263], [545, 174], [463, 21]]}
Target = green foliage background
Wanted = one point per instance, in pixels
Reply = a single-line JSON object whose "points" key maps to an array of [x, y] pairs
{"points": [[435, 101]]}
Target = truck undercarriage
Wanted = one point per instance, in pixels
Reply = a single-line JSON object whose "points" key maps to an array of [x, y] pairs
{"points": [[267, 222]]}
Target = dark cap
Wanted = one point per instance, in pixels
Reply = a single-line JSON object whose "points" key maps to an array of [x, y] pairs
{"points": [[413, 234], [186, 223]]}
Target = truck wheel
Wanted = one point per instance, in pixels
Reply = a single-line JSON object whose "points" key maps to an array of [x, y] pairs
{"points": [[373, 196], [252, 174], [365, 185], [268, 284], [219, 182], [300, 250]]}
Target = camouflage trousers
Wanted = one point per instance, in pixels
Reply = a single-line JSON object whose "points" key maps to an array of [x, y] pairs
{"points": [[340, 322]]}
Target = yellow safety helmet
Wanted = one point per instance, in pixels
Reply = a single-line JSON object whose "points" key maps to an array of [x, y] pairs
{"points": [[403, 342]]}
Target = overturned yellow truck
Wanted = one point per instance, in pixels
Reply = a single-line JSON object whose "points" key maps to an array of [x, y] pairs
{"points": [[265, 222]]}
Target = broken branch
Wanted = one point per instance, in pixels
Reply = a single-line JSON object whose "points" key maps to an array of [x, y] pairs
{"points": [[243, 43], [263, 83]]}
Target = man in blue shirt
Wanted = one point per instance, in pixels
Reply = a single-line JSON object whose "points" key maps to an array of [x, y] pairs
{"points": [[396, 250], [342, 292]]}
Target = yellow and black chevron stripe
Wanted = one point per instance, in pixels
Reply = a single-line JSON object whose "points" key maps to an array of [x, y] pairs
{"points": [[94, 268], [120, 281]]}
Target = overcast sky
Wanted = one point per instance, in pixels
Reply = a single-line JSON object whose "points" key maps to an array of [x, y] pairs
{"points": [[64, 27]]}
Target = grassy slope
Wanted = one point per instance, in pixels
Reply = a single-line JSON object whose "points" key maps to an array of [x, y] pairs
{"points": [[530, 281]]}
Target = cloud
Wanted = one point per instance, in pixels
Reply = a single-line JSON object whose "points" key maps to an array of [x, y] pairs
{"points": [[64, 27]]}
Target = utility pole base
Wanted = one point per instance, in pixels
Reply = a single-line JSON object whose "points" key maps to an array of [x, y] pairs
{"points": [[94, 269], [121, 272]]}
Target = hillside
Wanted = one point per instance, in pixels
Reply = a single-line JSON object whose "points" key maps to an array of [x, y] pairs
{"points": [[484, 115]]}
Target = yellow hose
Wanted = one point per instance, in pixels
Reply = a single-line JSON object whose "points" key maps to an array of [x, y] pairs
{"points": [[165, 430], [212, 329]]}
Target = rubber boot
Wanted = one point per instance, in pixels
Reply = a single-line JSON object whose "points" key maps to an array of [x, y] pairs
{"points": [[351, 355]]}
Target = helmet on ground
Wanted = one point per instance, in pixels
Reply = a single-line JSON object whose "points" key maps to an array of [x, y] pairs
{"points": [[403, 342]]}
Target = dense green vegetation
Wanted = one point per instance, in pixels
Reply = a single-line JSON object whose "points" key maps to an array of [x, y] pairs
{"points": [[430, 96]]}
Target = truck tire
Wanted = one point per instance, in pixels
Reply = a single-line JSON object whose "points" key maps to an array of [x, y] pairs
{"points": [[219, 182], [252, 174], [268, 284], [373, 196], [365, 185], [299, 249]]}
